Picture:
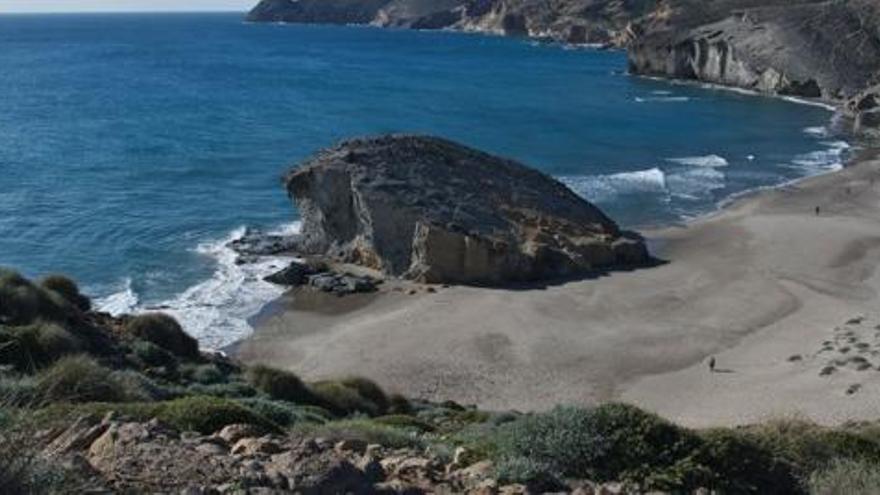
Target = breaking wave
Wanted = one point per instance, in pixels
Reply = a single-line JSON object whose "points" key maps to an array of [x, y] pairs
{"points": [[712, 161], [216, 310]]}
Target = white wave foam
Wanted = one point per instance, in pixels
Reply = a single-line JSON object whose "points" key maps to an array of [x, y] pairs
{"points": [[606, 187], [215, 311], [120, 302], [750, 158], [818, 131], [829, 159], [695, 183], [712, 161], [662, 99]]}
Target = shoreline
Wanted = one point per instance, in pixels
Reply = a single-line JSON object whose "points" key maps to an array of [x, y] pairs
{"points": [[487, 352]]}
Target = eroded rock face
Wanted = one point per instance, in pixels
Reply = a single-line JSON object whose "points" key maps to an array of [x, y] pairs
{"points": [[812, 48], [434, 211]]}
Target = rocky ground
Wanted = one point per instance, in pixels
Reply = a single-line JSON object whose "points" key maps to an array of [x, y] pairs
{"points": [[114, 454]]}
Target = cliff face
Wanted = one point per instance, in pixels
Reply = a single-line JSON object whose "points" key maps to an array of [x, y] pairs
{"points": [[827, 49], [434, 211], [574, 21]]}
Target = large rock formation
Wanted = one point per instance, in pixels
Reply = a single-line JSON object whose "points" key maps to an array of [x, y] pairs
{"points": [[435, 211], [811, 48]]}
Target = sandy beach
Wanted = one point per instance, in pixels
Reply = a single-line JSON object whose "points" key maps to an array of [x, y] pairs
{"points": [[785, 300]]}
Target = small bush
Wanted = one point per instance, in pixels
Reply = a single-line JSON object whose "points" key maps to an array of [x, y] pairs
{"points": [[638, 443], [207, 415], [152, 355], [165, 332], [350, 396], [398, 404], [68, 289], [811, 447], [17, 391], [206, 374], [79, 379], [846, 477], [280, 385], [564, 442], [231, 390], [732, 463], [282, 413], [366, 430], [140, 388], [36, 345], [407, 422], [22, 302]]}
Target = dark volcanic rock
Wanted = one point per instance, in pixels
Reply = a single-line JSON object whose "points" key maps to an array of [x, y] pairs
{"points": [[435, 211], [293, 275]]}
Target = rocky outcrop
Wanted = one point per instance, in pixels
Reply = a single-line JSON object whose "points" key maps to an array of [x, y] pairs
{"points": [[434, 211], [572, 21], [812, 48]]}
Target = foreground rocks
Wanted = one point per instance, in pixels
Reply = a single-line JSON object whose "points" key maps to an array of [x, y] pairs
{"points": [[318, 276], [434, 211], [118, 455]]}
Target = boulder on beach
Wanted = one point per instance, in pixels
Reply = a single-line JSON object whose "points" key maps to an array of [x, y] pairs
{"points": [[434, 211]]}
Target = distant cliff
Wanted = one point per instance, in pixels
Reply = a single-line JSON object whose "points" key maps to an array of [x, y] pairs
{"points": [[827, 49]]}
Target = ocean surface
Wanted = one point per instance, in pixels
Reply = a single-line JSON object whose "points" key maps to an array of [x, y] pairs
{"points": [[133, 147]]}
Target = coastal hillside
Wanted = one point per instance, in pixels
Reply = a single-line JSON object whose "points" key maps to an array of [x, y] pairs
{"points": [[95, 404], [826, 49]]}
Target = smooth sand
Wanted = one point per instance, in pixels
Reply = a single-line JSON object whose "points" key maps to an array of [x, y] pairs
{"points": [[754, 285]]}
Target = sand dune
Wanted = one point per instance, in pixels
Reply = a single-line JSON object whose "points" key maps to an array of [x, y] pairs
{"points": [[755, 285]]}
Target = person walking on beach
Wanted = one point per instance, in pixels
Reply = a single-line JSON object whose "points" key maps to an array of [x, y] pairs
{"points": [[817, 211], [712, 364]]}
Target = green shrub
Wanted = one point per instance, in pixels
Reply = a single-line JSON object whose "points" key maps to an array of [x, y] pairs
{"points": [[811, 447], [165, 332], [350, 396], [140, 388], [369, 390], [206, 374], [36, 345], [280, 385], [404, 421], [209, 414], [22, 302], [232, 390], [564, 442], [528, 471], [152, 355], [363, 429], [638, 443], [846, 477], [68, 289], [730, 462], [283, 413], [17, 391], [79, 379], [398, 404]]}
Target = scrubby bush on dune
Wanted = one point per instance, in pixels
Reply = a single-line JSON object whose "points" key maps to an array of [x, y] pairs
{"points": [[36, 345], [151, 355], [205, 374], [209, 414], [280, 385], [68, 289], [79, 379], [846, 477], [810, 447], [22, 302], [638, 442], [730, 462], [404, 421], [282, 413], [350, 396], [564, 442], [164, 331]]}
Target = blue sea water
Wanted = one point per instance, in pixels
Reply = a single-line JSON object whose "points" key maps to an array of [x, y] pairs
{"points": [[133, 146]]}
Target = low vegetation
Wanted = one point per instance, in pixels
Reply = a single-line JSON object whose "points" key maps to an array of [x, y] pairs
{"points": [[59, 361]]}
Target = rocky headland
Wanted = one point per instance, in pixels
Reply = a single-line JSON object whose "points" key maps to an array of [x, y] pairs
{"points": [[825, 49], [430, 210]]}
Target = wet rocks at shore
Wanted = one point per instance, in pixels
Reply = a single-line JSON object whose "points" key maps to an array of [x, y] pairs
{"points": [[320, 277], [434, 211]]}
